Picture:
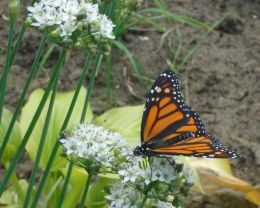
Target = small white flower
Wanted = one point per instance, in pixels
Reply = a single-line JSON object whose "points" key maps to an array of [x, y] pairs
{"points": [[106, 27], [91, 11], [67, 27], [189, 175]]}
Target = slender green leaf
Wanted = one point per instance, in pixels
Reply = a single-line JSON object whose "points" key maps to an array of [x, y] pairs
{"points": [[137, 69], [52, 191], [171, 15]]}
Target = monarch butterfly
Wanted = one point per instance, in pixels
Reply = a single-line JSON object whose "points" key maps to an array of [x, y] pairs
{"points": [[170, 127]]}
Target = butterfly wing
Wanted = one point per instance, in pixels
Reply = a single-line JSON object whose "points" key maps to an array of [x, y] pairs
{"points": [[165, 110], [205, 146], [171, 127]]}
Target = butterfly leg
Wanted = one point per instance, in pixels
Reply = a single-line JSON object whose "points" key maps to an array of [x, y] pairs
{"points": [[151, 169]]}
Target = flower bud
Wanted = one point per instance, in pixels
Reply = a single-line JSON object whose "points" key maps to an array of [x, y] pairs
{"points": [[78, 45], [28, 21], [54, 34], [14, 10]]}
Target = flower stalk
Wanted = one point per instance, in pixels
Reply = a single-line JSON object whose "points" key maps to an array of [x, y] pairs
{"points": [[4, 77], [144, 201], [13, 10], [84, 196]]}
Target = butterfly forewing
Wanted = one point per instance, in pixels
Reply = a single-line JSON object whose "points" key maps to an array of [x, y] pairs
{"points": [[165, 110]]}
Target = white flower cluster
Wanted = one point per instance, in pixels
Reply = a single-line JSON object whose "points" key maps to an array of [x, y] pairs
{"points": [[73, 22], [141, 171], [123, 196], [160, 178], [93, 146]]}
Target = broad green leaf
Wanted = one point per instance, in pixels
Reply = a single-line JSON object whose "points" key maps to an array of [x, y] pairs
{"points": [[10, 198], [125, 120], [15, 136], [96, 195], [96, 191], [60, 108], [76, 186]]}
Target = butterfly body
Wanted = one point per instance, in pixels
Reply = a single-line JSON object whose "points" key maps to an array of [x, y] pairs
{"points": [[170, 127]]}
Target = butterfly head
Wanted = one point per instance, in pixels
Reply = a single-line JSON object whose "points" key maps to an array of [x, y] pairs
{"points": [[143, 150]]}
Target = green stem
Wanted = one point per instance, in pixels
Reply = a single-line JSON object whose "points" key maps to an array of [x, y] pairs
{"points": [[44, 59], [40, 146], [82, 119], [146, 194], [90, 86], [6, 69], [22, 97], [84, 196], [45, 175], [18, 42], [36, 116], [66, 183], [64, 126], [108, 78], [111, 11], [85, 71], [144, 201]]}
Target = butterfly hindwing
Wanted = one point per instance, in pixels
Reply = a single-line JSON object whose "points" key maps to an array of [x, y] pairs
{"points": [[203, 146]]}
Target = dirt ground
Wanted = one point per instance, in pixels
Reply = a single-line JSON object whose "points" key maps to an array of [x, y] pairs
{"points": [[221, 82]]}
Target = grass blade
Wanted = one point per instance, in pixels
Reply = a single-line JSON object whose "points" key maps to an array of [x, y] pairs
{"points": [[137, 69]]}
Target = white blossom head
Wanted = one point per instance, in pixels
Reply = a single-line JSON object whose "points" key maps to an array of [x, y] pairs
{"points": [[121, 195], [72, 24], [159, 178], [94, 148]]}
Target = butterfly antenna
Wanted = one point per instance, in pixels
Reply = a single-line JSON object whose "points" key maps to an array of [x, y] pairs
{"points": [[172, 163]]}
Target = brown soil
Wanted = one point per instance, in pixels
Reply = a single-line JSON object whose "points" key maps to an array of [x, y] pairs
{"points": [[221, 82]]}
